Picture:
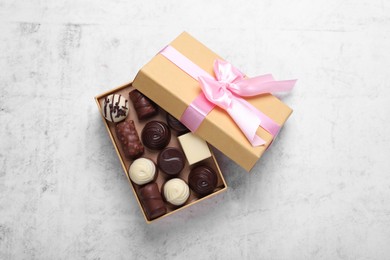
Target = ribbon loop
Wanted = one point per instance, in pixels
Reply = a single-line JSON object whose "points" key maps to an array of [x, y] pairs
{"points": [[216, 92], [226, 72], [226, 91], [229, 80]]}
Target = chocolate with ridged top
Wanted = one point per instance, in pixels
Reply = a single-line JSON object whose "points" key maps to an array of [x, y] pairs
{"points": [[142, 171], [176, 125], [128, 137], [144, 107], [175, 192], [156, 135], [202, 180], [171, 161], [151, 200]]}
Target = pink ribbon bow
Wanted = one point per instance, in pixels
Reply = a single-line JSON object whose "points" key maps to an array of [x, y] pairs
{"points": [[227, 89]]}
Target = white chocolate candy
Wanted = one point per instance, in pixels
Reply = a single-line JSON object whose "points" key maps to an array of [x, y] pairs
{"points": [[194, 147], [176, 191], [115, 108], [142, 171]]}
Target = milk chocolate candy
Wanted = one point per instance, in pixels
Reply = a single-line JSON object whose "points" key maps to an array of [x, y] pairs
{"points": [[144, 107], [152, 201], [128, 137]]}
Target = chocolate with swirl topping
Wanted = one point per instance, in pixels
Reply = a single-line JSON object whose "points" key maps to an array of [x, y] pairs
{"points": [[144, 107], [152, 201], [156, 135], [128, 137], [202, 180]]}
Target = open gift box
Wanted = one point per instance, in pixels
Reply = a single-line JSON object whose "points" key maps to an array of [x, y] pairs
{"points": [[174, 89], [153, 155]]}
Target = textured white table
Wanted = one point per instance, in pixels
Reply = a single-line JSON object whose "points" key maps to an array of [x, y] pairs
{"points": [[322, 191]]}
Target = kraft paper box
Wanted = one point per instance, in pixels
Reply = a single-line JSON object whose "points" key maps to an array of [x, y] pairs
{"points": [[161, 177], [174, 90]]}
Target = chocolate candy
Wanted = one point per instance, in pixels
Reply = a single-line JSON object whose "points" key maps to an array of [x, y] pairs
{"points": [[143, 106], [142, 171], [156, 135], [115, 108], [202, 180], [176, 191], [194, 147], [128, 137], [152, 201], [171, 161], [176, 125]]}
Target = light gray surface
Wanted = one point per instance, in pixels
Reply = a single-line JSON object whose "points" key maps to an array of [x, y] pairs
{"points": [[322, 191]]}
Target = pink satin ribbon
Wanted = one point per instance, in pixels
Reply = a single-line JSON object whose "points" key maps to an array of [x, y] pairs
{"points": [[225, 91]]}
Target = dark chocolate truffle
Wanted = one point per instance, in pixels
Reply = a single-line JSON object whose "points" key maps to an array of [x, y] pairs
{"points": [[202, 180], [128, 137], [171, 161], [156, 135], [151, 200], [176, 125], [144, 107]]}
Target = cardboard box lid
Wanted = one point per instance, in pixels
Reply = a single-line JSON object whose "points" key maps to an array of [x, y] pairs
{"points": [[173, 90]]}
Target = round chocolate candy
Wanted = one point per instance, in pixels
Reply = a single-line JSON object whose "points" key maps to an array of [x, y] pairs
{"points": [[156, 135], [202, 180], [176, 191], [171, 161], [115, 108], [142, 171], [176, 125]]}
